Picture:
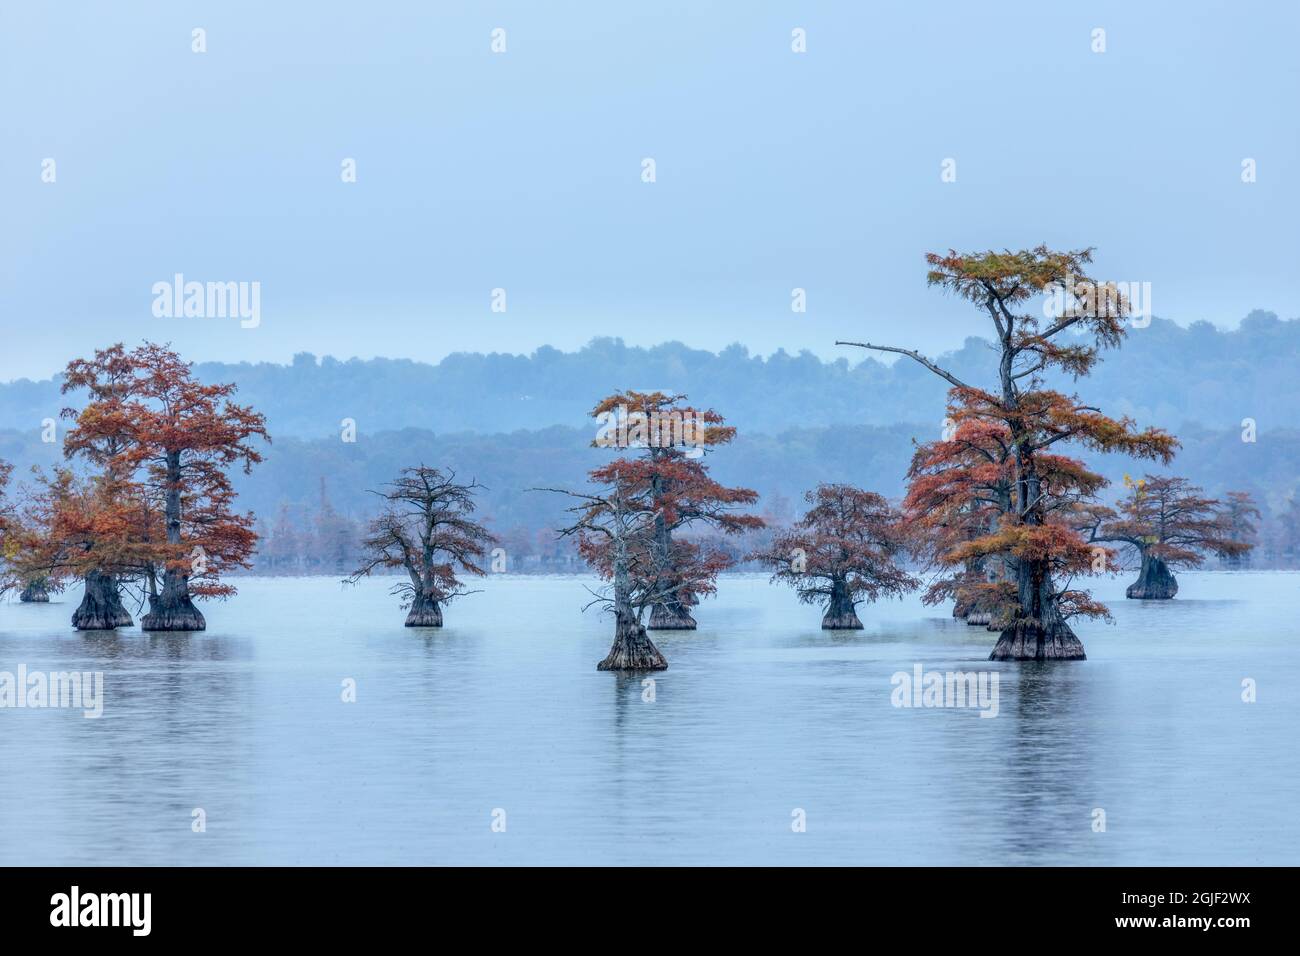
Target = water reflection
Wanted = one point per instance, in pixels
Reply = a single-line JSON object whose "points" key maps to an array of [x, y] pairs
{"points": [[761, 714], [1048, 762]]}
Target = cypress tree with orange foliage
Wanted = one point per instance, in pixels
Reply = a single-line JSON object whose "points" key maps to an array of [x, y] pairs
{"points": [[1170, 523], [165, 443], [674, 439], [1037, 534]]}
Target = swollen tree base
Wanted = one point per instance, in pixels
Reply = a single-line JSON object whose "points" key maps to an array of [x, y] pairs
{"points": [[632, 649], [671, 616], [1027, 639], [841, 612], [34, 593], [175, 614], [101, 606], [1155, 582], [841, 616], [425, 612]]}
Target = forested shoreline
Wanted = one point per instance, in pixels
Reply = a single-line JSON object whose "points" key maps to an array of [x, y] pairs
{"points": [[311, 502], [1170, 375], [520, 420]]}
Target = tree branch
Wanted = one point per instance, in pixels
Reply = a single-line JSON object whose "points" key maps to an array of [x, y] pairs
{"points": [[915, 355]]}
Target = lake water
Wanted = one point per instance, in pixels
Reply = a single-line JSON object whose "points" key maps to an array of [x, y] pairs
{"points": [[760, 714]]}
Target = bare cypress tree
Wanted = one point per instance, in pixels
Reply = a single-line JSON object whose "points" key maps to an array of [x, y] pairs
{"points": [[426, 529]]}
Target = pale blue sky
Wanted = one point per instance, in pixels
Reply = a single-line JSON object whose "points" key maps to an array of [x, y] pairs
{"points": [[522, 170]]}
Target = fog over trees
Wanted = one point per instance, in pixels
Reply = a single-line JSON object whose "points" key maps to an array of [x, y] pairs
{"points": [[1167, 375], [802, 421]]}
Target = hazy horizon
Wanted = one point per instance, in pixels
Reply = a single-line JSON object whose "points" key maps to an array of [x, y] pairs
{"points": [[852, 354]]}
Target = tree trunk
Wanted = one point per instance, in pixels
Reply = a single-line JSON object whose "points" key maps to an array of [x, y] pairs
{"points": [[671, 616], [172, 610], [632, 649], [840, 614], [101, 606], [1028, 639], [425, 611], [981, 611], [1037, 632], [35, 593], [1155, 581], [991, 614], [671, 613]]}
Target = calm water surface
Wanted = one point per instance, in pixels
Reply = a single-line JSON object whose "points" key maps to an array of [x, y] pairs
{"points": [[760, 713]]}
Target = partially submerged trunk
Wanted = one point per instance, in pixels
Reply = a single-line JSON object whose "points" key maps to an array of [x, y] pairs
{"points": [[1155, 581], [840, 613], [1028, 639], [632, 649], [1037, 632], [425, 611], [993, 615], [35, 593], [101, 606], [671, 615], [173, 610], [984, 610]]}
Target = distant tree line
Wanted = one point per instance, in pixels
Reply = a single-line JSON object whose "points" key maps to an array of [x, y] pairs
{"points": [[1173, 377]]}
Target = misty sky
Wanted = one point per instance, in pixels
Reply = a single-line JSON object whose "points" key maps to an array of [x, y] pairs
{"points": [[522, 170]]}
